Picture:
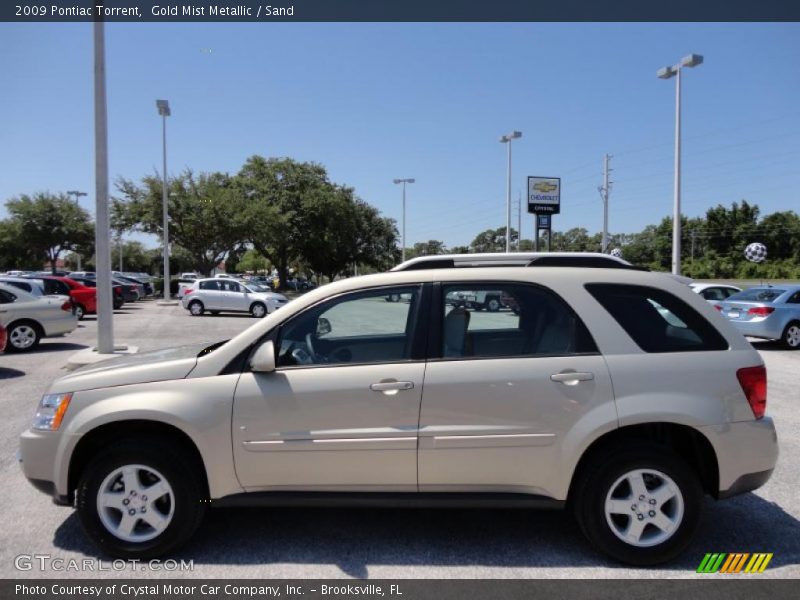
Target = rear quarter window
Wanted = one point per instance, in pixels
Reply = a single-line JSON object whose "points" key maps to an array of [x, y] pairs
{"points": [[656, 320]]}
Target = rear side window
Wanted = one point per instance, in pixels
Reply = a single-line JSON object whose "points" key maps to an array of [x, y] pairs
{"points": [[209, 285], [6, 297], [656, 320], [509, 319]]}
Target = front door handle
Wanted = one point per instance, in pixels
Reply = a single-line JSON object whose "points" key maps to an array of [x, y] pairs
{"points": [[571, 377], [391, 387]]}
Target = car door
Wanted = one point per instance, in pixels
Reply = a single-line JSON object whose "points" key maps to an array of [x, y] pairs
{"points": [[341, 410], [504, 389], [234, 296], [211, 295]]}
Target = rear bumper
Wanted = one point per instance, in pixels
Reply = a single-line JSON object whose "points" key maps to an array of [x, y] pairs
{"points": [[60, 326], [766, 328], [746, 452]]}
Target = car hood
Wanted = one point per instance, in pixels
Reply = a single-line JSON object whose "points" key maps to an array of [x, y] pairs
{"points": [[129, 369]]}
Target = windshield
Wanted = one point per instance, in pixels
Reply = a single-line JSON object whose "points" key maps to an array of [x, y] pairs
{"points": [[757, 295]]}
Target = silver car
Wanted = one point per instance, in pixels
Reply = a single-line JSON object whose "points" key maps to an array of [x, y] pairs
{"points": [[771, 313], [218, 294], [28, 318], [341, 396]]}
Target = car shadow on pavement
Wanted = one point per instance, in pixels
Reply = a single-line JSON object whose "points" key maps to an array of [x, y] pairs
{"points": [[10, 373], [46, 346], [770, 345], [356, 538]]}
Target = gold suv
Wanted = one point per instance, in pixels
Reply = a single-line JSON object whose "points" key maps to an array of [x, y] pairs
{"points": [[616, 393]]}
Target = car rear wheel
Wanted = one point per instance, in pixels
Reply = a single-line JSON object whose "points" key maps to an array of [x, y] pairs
{"points": [[23, 336], [196, 308], [258, 310], [640, 504], [80, 312], [140, 499], [791, 336]]}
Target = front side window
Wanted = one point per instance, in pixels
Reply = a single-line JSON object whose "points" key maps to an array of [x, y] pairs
{"points": [[656, 320], [485, 321], [365, 327]]}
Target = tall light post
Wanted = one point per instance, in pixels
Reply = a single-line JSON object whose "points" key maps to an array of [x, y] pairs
{"points": [[666, 73], [506, 139], [163, 110], [77, 195], [404, 182]]}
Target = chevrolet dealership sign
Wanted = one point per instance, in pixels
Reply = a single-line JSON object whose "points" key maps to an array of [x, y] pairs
{"points": [[544, 195]]}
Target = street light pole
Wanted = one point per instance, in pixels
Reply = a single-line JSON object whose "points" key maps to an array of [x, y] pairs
{"points": [[404, 182], [164, 111], [667, 73], [105, 331], [506, 139], [77, 195]]}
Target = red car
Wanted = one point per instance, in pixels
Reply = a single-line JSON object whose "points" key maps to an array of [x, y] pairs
{"points": [[83, 297]]}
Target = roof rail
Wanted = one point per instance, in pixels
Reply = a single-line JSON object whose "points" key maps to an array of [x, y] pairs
{"points": [[515, 259]]}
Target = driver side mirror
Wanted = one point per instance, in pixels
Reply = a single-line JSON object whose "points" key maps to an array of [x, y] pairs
{"points": [[263, 361], [323, 326]]}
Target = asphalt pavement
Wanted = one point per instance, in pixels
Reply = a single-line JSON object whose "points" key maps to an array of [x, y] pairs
{"points": [[374, 543]]}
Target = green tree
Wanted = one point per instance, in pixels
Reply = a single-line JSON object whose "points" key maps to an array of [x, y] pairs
{"points": [[492, 240], [205, 213], [49, 225]]}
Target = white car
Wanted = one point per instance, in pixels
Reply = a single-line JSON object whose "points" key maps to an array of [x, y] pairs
{"points": [[226, 295], [28, 319], [714, 293]]}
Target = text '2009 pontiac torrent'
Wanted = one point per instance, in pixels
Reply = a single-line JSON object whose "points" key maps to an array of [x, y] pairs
{"points": [[616, 393]]}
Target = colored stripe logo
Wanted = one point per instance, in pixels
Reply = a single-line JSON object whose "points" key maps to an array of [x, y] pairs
{"points": [[734, 562]]}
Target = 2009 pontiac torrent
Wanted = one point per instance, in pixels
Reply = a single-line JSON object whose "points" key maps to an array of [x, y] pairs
{"points": [[615, 393]]}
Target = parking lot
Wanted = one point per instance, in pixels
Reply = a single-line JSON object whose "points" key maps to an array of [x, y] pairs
{"points": [[379, 543]]}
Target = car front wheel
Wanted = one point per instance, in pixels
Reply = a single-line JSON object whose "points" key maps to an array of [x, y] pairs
{"points": [[640, 504], [791, 336], [140, 499], [22, 336]]}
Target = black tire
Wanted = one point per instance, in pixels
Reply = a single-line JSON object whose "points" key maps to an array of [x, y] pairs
{"points": [[599, 475], [118, 303], [196, 308], [80, 312], [791, 336], [258, 310], [492, 304], [27, 334], [180, 471]]}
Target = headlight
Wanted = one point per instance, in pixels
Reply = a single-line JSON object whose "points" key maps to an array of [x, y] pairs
{"points": [[50, 411]]}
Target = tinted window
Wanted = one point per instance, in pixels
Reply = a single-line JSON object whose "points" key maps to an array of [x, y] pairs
{"points": [[229, 286], [656, 320], [484, 321], [209, 285], [795, 299], [54, 286], [757, 295], [714, 294], [364, 327], [19, 284], [6, 297]]}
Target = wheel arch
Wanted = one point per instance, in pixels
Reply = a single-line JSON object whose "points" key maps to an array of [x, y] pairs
{"points": [[687, 442], [94, 440]]}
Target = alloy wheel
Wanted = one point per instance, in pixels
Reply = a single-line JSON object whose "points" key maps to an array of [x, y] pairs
{"points": [[644, 508], [22, 337]]}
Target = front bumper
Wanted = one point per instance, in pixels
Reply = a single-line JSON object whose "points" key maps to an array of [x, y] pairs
{"points": [[41, 455]]}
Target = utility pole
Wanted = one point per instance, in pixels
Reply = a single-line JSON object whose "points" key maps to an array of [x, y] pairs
{"points": [[519, 220], [604, 193]]}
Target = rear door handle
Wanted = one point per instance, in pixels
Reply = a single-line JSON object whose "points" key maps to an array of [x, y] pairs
{"points": [[571, 377], [391, 387]]}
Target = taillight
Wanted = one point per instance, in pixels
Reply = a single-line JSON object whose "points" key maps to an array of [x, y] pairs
{"points": [[67, 306], [761, 311], [189, 291], [754, 385], [718, 307]]}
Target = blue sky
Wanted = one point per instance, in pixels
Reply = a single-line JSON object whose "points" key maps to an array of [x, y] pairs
{"points": [[374, 102]]}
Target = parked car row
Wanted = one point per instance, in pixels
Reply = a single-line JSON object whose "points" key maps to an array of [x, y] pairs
{"points": [[35, 305]]}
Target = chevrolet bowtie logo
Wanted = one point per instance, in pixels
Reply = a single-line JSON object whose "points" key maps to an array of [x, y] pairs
{"points": [[545, 187]]}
